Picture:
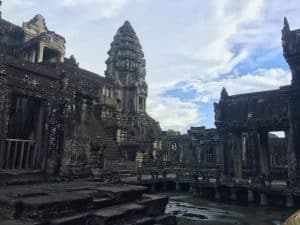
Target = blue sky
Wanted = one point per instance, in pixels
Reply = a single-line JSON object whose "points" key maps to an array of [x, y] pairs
{"points": [[192, 47]]}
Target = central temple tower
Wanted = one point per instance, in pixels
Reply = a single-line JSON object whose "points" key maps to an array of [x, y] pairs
{"points": [[126, 67]]}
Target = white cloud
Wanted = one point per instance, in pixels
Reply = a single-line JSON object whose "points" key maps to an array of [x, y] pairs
{"points": [[85, 9], [225, 34], [97, 8], [259, 80], [172, 113]]}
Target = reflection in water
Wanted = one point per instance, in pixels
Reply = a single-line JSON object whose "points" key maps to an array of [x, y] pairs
{"points": [[195, 211]]}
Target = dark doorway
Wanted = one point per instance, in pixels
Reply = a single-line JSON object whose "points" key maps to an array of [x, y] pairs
{"points": [[23, 145]]}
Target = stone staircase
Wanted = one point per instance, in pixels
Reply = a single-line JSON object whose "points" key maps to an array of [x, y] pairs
{"points": [[112, 151], [81, 203]]}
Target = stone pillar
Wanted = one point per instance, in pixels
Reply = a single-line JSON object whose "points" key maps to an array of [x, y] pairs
{"points": [[263, 199], [165, 186], [233, 194], [250, 196], [177, 187], [224, 155], [217, 194], [293, 153], [264, 154], [61, 58], [289, 200], [152, 176], [195, 185], [139, 177], [153, 187], [253, 138], [191, 188], [32, 57], [40, 55], [237, 154], [200, 191]]}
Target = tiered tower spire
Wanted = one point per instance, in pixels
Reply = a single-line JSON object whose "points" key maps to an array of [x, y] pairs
{"points": [[126, 67]]}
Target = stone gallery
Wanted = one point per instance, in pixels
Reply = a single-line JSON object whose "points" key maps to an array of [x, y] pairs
{"points": [[79, 148]]}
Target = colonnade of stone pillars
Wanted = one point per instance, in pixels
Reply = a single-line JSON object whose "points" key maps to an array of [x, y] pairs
{"points": [[259, 147]]}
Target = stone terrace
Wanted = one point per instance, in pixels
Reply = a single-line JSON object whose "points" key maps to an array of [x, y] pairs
{"points": [[81, 202]]}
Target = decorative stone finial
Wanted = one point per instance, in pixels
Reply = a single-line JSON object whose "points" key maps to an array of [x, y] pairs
{"points": [[286, 25], [224, 93]]}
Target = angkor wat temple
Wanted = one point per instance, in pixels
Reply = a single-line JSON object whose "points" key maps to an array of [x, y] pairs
{"points": [[74, 144]]}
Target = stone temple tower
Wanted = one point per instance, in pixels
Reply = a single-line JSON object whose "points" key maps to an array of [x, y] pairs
{"points": [[126, 67]]}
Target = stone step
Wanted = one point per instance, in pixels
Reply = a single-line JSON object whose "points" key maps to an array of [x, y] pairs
{"points": [[144, 221], [112, 151], [102, 202], [166, 219], [155, 205], [122, 193], [117, 214], [20, 176], [79, 219], [137, 220], [54, 205]]}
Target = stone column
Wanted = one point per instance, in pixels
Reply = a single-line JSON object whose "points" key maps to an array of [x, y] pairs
{"points": [[293, 153], [289, 200], [153, 187], [165, 186], [32, 56], [191, 188], [263, 199], [250, 196], [164, 180], [253, 138], [40, 55], [177, 187], [264, 154], [224, 156], [217, 194], [61, 58], [237, 154], [233, 194]]}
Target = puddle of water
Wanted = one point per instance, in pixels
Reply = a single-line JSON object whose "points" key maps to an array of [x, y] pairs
{"points": [[195, 209], [188, 210]]}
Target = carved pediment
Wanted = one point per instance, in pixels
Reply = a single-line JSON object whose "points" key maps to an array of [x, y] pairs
{"points": [[35, 26]]}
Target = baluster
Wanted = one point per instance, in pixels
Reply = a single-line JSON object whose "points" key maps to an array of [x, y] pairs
{"points": [[2, 155], [28, 155], [15, 154], [34, 155], [21, 155], [7, 155]]}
